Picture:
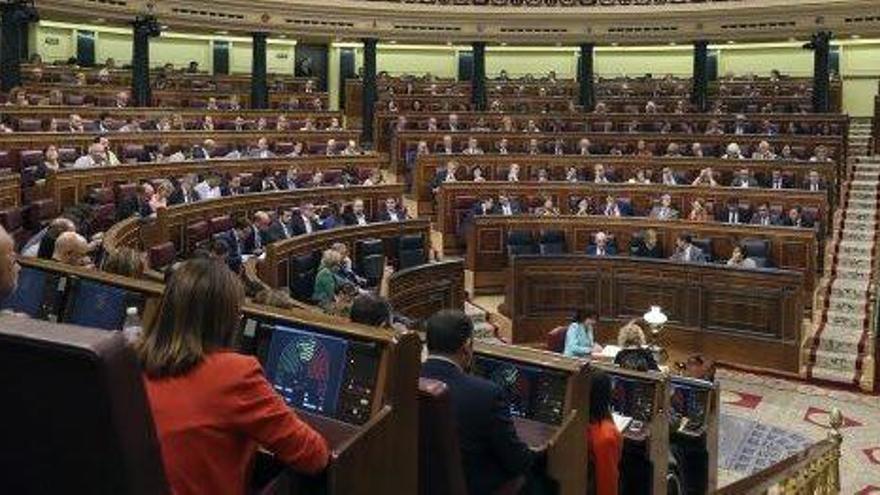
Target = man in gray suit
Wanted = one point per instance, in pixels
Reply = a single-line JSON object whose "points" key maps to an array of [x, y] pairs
{"points": [[686, 252]]}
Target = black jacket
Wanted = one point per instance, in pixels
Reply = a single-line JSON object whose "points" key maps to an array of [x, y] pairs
{"points": [[491, 451]]}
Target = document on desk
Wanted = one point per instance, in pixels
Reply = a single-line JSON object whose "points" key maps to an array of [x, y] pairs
{"points": [[621, 421]]}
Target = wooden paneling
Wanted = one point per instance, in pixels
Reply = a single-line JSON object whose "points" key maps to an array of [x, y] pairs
{"points": [[495, 168], [421, 291], [488, 259], [748, 317], [10, 190]]}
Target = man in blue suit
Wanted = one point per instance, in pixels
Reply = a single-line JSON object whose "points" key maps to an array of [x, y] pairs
{"points": [[492, 453]]}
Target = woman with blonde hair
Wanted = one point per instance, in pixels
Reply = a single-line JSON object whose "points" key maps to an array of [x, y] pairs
{"points": [[327, 279], [125, 261], [633, 353]]}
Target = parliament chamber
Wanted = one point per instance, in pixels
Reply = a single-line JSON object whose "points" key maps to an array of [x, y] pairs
{"points": [[537, 247]]}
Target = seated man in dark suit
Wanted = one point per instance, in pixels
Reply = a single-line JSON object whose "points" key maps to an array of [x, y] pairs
{"points": [[258, 236], [280, 229], [814, 182], [508, 206], [492, 453], [795, 218], [356, 215], [138, 204], [393, 212], [307, 220], [185, 193], [485, 207], [444, 175], [236, 243]]}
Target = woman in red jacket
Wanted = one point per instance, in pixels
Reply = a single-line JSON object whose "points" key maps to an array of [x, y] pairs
{"points": [[213, 407], [604, 441]]}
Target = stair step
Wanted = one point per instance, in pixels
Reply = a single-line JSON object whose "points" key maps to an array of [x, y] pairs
{"points": [[832, 375]]}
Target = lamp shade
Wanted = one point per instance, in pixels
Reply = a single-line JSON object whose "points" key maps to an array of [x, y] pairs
{"points": [[655, 317]]}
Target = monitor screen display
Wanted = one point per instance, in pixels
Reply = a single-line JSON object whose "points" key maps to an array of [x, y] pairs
{"points": [[98, 305], [688, 401], [306, 368], [632, 397], [34, 295], [532, 392]]}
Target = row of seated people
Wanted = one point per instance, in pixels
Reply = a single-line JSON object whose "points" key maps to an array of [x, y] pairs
{"points": [[166, 123], [185, 77], [600, 174], [734, 212], [202, 291], [749, 253], [736, 125], [115, 97], [100, 153], [719, 105], [584, 147]]}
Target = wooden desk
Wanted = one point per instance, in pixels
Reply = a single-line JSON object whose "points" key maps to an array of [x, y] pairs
{"points": [[69, 187], [275, 270], [362, 461], [645, 460], [559, 418], [495, 168], [713, 145], [746, 317], [419, 292], [487, 256], [10, 190]]}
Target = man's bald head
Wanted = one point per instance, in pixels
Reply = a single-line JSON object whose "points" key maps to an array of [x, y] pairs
{"points": [[71, 248], [8, 266]]}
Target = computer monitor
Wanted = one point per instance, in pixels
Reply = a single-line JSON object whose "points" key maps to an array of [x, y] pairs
{"points": [[633, 397], [99, 305], [316, 369], [39, 294], [689, 399], [532, 392]]}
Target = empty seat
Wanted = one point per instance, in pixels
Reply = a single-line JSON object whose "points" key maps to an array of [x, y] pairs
{"points": [[220, 224], [67, 155], [411, 251], [125, 192], [13, 221], [134, 152], [758, 250], [162, 255], [103, 217], [30, 125], [196, 233], [556, 339], [303, 269], [30, 158], [40, 212], [705, 244], [551, 242], [370, 264], [440, 468], [81, 421], [102, 196], [520, 242]]}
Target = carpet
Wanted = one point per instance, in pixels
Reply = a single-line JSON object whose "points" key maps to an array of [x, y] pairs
{"points": [[763, 419]]}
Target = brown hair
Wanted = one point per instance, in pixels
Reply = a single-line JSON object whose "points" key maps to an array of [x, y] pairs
{"points": [[125, 261], [199, 313]]}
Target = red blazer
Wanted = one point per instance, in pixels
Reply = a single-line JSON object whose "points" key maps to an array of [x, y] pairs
{"points": [[605, 445], [211, 420]]}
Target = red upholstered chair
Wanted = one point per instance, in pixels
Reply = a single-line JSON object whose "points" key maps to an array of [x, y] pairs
{"points": [[556, 339], [103, 217], [13, 222], [40, 212], [30, 158], [196, 233], [30, 125], [103, 440], [332, 177], [283, 148], [440, 468], [76, 100], [220, 224], [67, 155], [162, 255], [125, 192], [5, 161], [133, 152], [102, 195]]}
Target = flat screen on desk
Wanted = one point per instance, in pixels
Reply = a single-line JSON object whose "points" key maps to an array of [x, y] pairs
{"points": [[31, 294], [98, 305], [688, 401], [532, 392], [306, 368], [632, 397]]}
